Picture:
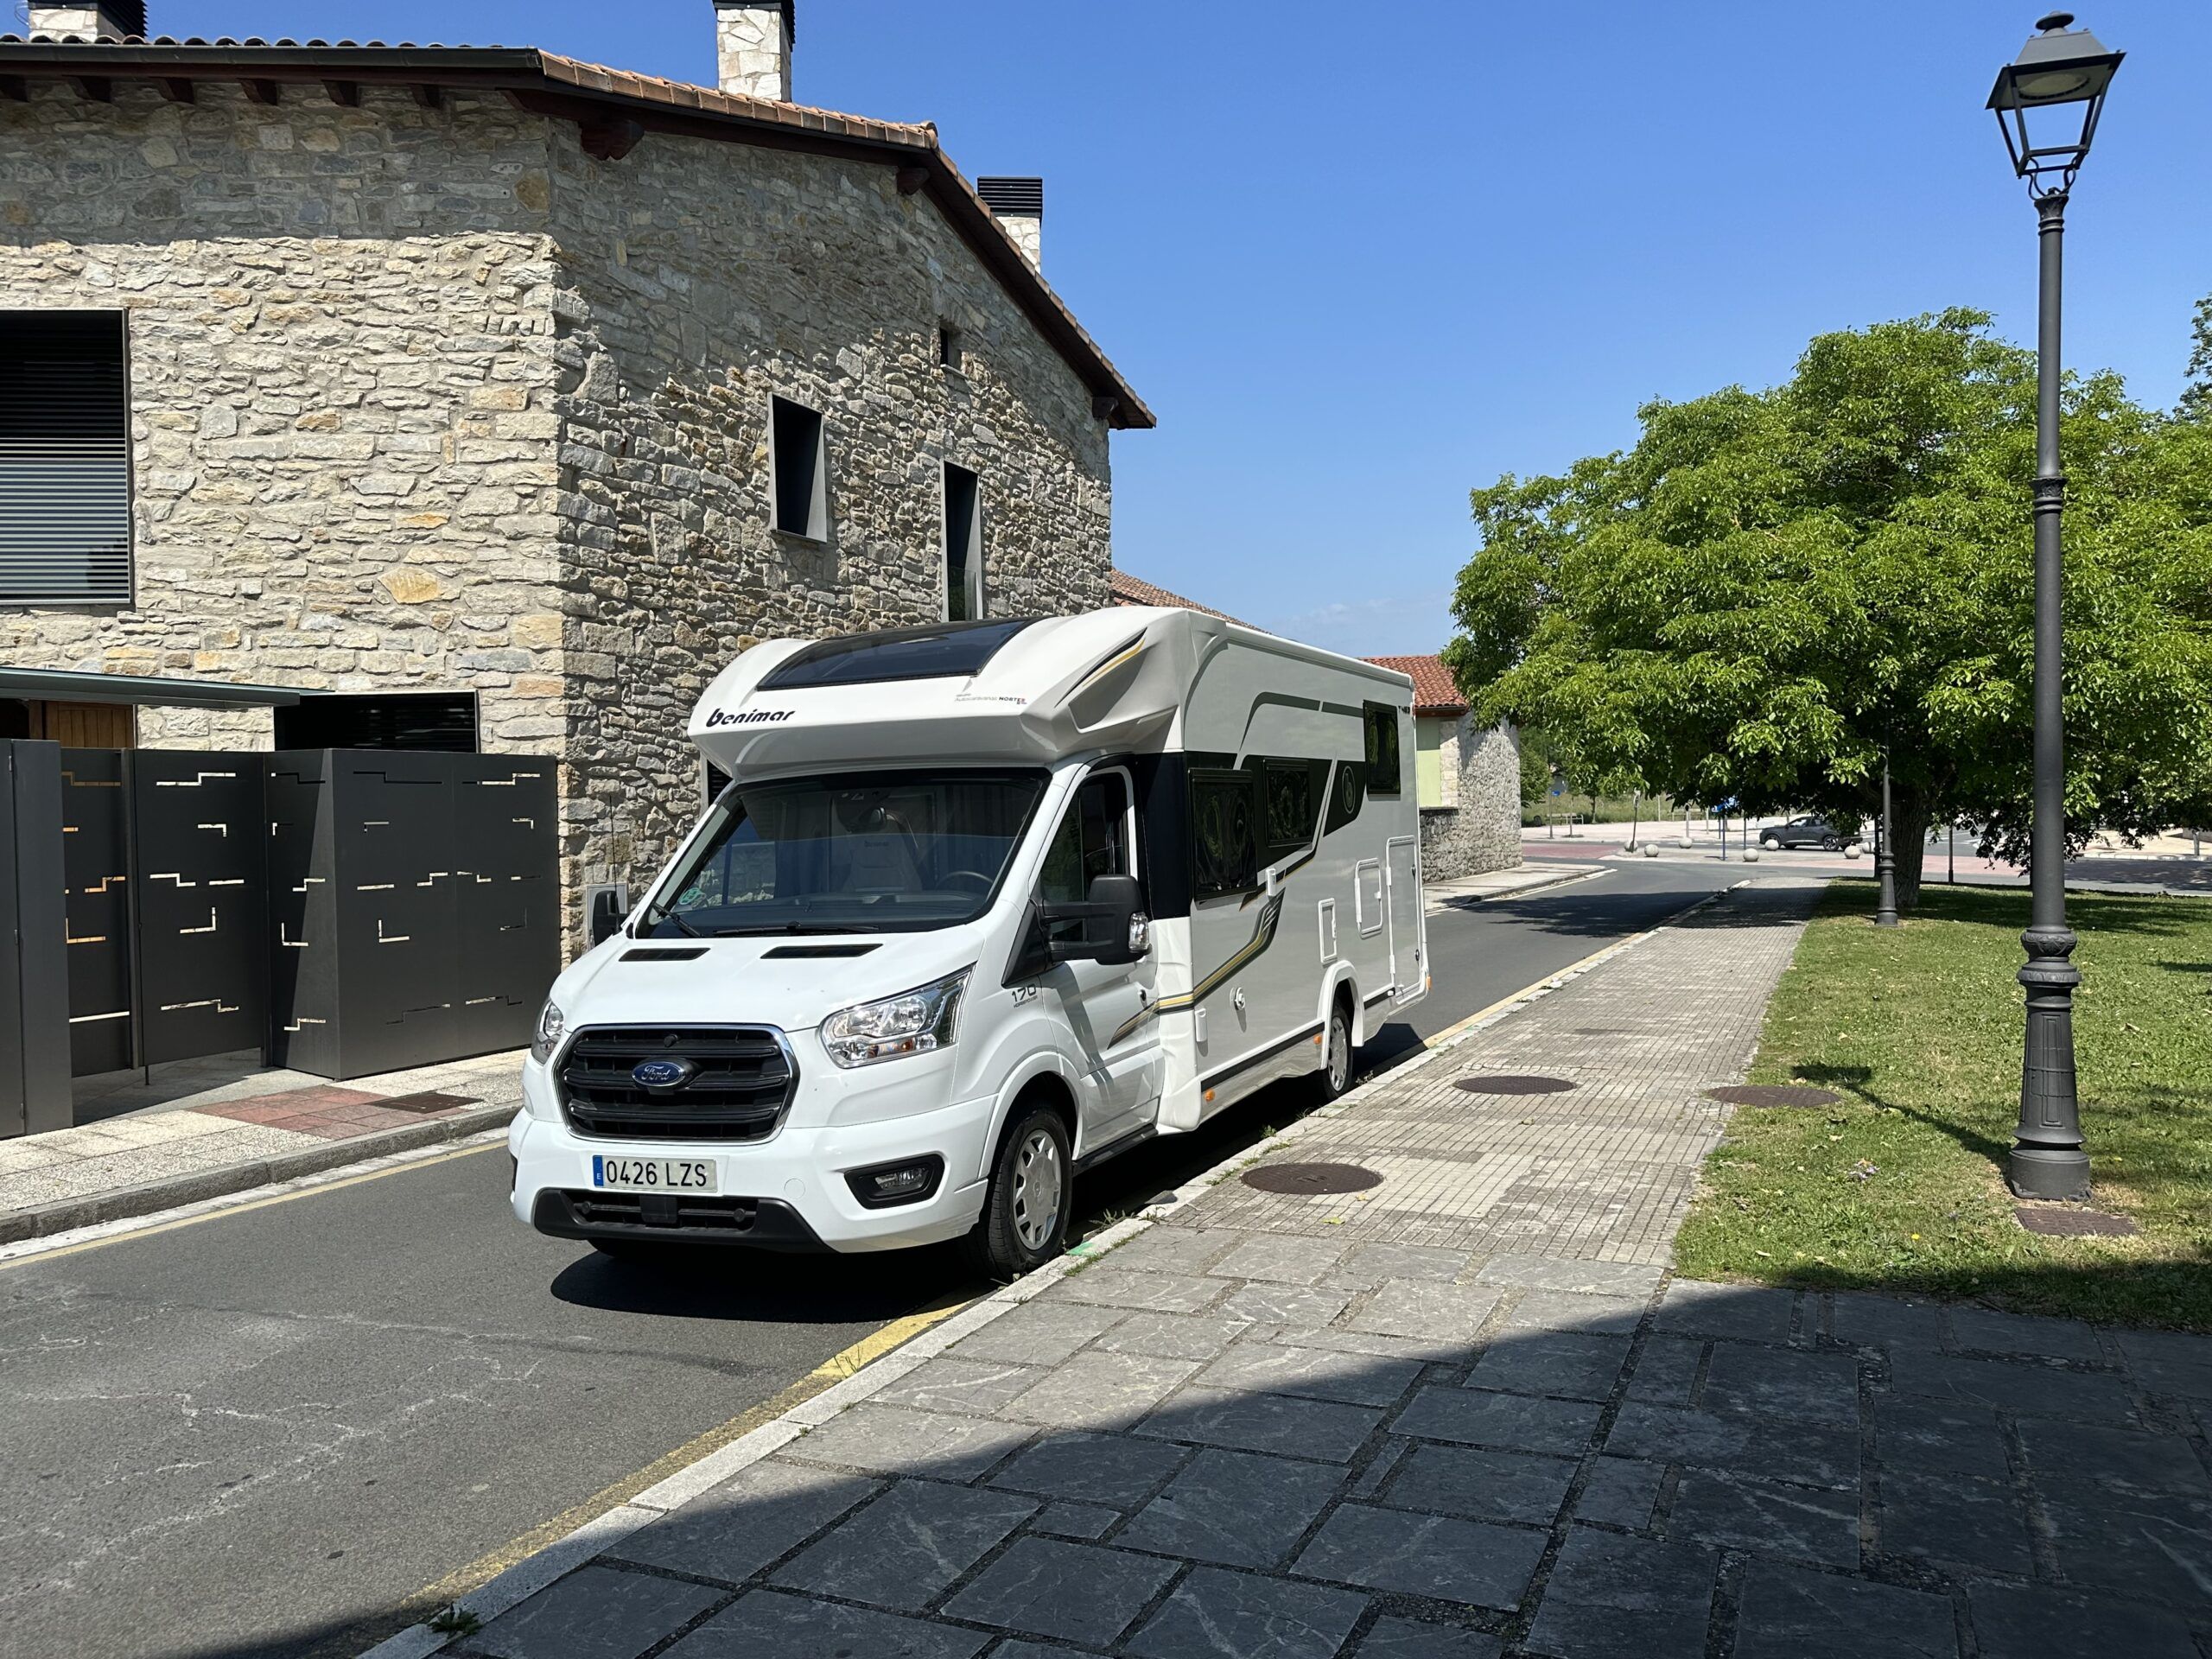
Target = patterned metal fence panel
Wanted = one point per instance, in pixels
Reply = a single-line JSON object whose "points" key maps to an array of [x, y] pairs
{"points": [[96, 866], [416, 905]]}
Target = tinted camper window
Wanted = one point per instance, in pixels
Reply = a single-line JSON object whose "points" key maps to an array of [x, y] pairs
{"points": [[1224, 832], [1289, 787], [1382, 767]]}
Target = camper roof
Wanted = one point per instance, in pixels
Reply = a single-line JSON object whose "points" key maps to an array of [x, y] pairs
{"points": [[1025, 689]]}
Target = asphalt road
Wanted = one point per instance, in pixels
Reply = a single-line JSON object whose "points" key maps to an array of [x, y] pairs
{"points": [[258, 1433]]}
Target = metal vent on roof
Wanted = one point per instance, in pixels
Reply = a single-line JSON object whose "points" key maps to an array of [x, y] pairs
{"points": [[65, 459], [1023, 197]]}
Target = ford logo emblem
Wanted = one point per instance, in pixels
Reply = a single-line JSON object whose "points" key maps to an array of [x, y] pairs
{"points": [[662, 1074]]}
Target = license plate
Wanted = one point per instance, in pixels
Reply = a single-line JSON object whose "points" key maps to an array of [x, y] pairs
{"points": [[653, 1174]]}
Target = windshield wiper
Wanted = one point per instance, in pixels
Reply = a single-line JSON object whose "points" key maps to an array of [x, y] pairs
{"points": [[673, 916]]}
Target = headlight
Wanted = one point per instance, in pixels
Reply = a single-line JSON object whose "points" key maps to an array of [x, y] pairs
{"points": [[550, 1025], [911, 1022]]}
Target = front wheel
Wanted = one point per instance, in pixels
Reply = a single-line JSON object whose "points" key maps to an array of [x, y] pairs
{"points": [[1832, 843], [1336, 1052], [1025, 1219]]}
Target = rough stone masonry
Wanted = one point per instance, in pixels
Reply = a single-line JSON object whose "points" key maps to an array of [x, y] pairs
{"points": [[424, 395]]}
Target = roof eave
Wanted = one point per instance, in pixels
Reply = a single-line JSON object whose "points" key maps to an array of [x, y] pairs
{"points": [[594, 96]]}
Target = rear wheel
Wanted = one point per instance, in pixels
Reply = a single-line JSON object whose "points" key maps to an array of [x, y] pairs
{"points": [[1336, 1052], [1025, 1219]]}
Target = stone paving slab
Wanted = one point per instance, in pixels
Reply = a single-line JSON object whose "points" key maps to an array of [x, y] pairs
{"points": [[1549, 1446]]}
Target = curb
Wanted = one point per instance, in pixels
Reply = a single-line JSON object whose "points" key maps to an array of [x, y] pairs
{"points": [[67, 1215], [527, 1577], [1468, 901]]}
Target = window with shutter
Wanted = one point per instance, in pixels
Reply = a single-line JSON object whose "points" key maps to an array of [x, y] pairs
{"points": [[65, 459]]}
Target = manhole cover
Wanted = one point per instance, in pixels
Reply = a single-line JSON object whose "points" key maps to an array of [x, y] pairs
{"points": [[1514, 1084], [2066, 1221], [1304, 1178], [1773, 1094]]}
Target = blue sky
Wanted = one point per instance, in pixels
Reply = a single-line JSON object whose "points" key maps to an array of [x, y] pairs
{"points": [[1361, 258]]}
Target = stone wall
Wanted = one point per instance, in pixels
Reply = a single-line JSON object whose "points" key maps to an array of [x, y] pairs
{"points": [[342, 375], [698, 279], [1482, 831]]}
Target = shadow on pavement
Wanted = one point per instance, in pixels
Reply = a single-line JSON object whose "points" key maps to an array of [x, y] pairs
{"points": [[1210, 1435]]}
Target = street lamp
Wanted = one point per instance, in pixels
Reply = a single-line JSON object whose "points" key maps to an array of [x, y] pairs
{"points": [[2047, 101], [1886, 859]]}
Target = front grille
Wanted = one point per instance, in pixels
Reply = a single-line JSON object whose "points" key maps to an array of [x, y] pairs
{"points": [[696, 1212], [738, 1090]]}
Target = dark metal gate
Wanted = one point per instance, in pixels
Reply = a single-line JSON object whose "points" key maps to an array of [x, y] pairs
{"points": [[96, 865], [416, 903], [199, 843], [164, 855]]}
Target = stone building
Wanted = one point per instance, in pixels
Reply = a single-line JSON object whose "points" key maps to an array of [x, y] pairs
{"points": [[538, 386], [1470, 779]]}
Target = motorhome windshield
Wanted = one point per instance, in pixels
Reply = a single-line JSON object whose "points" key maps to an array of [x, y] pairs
{"points": [[848, 853]]}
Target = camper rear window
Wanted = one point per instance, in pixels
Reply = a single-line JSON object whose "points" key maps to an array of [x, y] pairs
{"points": [[942, 651], [1224, 832], [1381, 748]]}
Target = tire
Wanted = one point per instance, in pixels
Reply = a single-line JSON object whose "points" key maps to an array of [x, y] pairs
{"points": [[1832, 844], [1336, 1052], [1012, 1237]]}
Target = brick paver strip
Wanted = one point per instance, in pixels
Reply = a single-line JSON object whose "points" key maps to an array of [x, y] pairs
{"points": [[1466, 1414]]}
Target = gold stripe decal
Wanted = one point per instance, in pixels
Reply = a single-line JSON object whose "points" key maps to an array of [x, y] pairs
{"points": [[1263, 935]]}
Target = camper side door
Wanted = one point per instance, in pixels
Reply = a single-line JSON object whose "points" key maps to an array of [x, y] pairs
{"points": [[1104, 1007]]}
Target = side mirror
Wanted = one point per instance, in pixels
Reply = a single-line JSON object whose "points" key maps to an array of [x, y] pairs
{"points": [[605, 909], [1115, 929]]}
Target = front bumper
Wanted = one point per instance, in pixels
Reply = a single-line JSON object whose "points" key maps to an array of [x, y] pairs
{"points": [[791, 1187], [762, 1223]]}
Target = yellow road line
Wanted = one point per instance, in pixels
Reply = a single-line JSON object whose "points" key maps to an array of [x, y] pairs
{"points": [[827, 1373], [218, 1214]]}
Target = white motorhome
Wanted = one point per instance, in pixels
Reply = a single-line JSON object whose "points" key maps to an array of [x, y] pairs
{"points": [[984, 903]]}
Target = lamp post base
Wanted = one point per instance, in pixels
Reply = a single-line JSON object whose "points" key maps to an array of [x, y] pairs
{"points": [[2048, 1172]]}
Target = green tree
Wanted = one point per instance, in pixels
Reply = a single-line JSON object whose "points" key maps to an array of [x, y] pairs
{"points": [[1773, 590], [2196, 395]]}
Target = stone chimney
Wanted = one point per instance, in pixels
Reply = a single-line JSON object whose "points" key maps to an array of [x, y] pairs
{"points": [[1019, 205], [101, 20], [752, 47]]}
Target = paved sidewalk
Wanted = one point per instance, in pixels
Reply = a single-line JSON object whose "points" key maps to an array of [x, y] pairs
{"points": [[1468, 1415], [204, 1127]]}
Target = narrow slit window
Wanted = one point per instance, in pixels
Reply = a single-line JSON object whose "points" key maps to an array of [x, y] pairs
{"points": [[963, 545], [65, 459], [948, 345], [798, 457]]}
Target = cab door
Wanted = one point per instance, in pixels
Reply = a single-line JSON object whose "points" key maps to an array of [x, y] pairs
{"points": [[1106, 1009]]}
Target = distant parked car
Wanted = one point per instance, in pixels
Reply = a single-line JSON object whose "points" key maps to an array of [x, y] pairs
{"points": [[1804, 832]]}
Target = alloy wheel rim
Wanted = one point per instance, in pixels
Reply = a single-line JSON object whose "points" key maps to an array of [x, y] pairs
{"points": [[1037, 1189], [1339, 1055]]}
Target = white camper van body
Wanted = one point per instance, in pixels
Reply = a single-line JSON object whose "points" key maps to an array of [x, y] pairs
{"points": [[946, 782]]}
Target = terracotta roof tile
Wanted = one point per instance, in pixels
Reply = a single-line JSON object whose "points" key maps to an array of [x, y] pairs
{"points": [[1435, 692], [1127, 589]]}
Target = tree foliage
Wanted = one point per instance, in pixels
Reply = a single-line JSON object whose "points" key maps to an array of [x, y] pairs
{"points": [[2196, 403], [1772, 590]]}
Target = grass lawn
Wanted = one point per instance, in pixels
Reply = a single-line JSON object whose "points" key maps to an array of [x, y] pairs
{"points": [[1899, 1185]]}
